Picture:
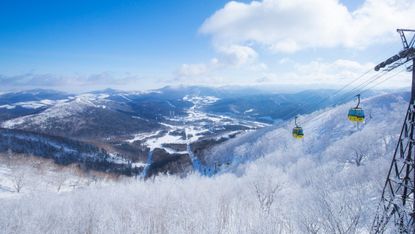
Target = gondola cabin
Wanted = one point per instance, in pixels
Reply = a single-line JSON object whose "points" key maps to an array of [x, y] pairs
{"points": [[356, 114], [298, 132]]}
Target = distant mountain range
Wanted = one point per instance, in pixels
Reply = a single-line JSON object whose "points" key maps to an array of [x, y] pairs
{"points": [[170, 124]]}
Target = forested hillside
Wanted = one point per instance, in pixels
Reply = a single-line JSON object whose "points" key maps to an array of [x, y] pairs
{"points": [[328, 183]]}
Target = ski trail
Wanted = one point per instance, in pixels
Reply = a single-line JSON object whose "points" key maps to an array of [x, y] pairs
{"points": [[144, 173], [196, 163]]}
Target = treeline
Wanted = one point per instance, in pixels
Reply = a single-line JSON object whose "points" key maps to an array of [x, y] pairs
{"points": [[63, 151]]}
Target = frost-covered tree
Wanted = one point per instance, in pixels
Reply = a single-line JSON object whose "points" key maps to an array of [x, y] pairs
{"points": [[18, 179]]}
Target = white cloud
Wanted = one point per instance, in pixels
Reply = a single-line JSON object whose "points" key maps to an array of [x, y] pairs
{"points": [[335, 74], [318, 73], [75, 83], [292, 25], [330, 72], [244, 32], [232, 56], [305, 75], [237, 55]]}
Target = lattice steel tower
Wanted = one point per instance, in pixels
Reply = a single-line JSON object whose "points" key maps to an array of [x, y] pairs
{"points": [[396, 209]]}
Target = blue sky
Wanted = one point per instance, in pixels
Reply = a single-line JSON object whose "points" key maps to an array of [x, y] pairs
{"points": [[147, 44], [89, 36]]}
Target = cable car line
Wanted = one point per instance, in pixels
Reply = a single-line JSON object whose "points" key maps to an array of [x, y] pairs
{"points": [[377, 84], [347, 85], [324, 99], [358, 113], [346, 95], [360, 91], [364, 89], [382, 81], [362, 85], [355, 114]]}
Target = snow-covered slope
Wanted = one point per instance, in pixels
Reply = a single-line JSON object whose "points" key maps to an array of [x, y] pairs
{"points": [[323, 129], [44, 103], [90, 115], [61, 111], [328, 183]]}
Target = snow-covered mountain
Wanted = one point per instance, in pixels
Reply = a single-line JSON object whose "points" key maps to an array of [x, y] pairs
{"points": [[86, 115], [16, 104], [330, 182], [160, 129]]}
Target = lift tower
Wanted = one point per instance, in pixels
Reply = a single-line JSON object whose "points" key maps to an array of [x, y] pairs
{"points": [[397, 201]]}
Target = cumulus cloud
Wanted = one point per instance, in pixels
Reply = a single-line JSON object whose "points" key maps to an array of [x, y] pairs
{"points": [[291, 25], [234, 56], [334, 74], [336, 71], [318, 73], [237, 55]]}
